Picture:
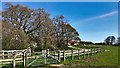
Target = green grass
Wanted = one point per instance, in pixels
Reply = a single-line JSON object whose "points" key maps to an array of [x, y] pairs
{"points": [[1, 66], [10, 66], [106, 58], [109, 57]]}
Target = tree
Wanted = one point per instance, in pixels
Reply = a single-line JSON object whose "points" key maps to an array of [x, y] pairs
{"points": [[110, 40], [24, 18], [71, 33], [37, 27], [13, 39], [118, 40], [63, 31], [59, 22], [44, 35], [31, 22]]}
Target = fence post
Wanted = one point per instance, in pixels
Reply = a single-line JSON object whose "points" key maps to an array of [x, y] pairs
{"points": [[45, 55], [59, 55], [24, 60], [78, 54], [8, 55], [29, 51], [63, 55], [14, 60], [84, 53], [97, 50], [88, 52], [94, 51], [72, 54], [91, 51], [54, 53], [3, 54], [12, 53], [100, 50]]}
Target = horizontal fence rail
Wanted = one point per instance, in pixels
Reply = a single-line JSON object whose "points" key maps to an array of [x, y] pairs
{"points": [[58, 55], [14, 56]]}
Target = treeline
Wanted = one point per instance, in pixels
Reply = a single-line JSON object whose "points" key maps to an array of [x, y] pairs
{"points": [[24, 27], [110, 40]]}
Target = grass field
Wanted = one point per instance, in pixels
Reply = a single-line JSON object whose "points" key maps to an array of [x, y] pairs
{"points": [[107, 58]]}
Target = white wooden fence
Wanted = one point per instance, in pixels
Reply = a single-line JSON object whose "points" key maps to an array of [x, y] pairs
{"points": [[58, 55], [14, 56], [8, 53]]}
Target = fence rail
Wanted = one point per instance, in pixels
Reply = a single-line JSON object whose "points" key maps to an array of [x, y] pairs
{"points": [[71, 53], [58, 55], [9, 53]]}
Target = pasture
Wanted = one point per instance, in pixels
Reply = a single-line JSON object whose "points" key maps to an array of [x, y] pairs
{"points": [[107, 58]]}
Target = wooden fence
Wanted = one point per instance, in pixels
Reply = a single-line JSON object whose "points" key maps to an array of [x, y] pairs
{"points": [[14, 56], [58, 55], [7, 54]]}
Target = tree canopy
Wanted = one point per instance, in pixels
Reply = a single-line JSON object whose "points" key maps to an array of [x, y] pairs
{"points": [[110, 40], [22, 26]]}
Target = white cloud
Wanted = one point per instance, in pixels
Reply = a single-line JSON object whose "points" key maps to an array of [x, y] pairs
{"points": [[108, 14], [100, 16]]}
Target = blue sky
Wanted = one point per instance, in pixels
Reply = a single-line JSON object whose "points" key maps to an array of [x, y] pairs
{"points": [[60, 0], [93, 20]]}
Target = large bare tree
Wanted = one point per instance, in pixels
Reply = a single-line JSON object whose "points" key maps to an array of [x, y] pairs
{"points": [[38, 27], [64, 32]]}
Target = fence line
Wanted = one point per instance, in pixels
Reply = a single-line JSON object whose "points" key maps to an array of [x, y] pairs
{"points": [[71, 53], [58, 55], [8, 53], [15, 55]]}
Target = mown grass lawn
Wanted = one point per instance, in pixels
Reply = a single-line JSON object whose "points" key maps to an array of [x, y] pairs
{"points": [[107, 58]]}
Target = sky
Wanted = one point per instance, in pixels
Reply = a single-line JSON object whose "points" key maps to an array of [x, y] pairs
{"points": [[93, 20], [60, 0]]}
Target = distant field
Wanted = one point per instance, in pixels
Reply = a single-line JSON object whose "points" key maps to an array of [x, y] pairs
{"points": [[107, 58]]}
